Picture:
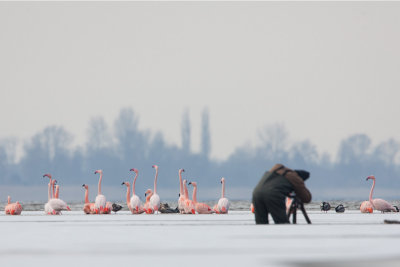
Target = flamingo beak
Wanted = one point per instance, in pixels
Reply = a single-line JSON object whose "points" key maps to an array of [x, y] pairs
{"points": [[83, 185], [183, 170], [123, 183], [132, 170], [145, 194], [189, 183]]}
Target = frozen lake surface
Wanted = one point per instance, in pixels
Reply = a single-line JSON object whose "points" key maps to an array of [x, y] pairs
{"points": [[122, 239]]}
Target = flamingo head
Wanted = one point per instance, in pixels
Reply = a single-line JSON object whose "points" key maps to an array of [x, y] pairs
{"points": [[57, 187], [126, 183], [47, 175], [134, 170], [98, 171], [148, 191], [370, 177], [184, 182], [192, 183], [181, 170], [85, 186], [54, 182], [155, 167], [222, 180]]}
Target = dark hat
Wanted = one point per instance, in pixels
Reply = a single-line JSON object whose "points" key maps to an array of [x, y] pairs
{"points": [[303, 174]]}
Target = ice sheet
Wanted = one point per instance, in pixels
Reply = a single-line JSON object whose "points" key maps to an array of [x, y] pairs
{"points": [[35, 239]]}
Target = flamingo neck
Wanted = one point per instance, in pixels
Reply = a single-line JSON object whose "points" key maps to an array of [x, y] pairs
{"points": [[223, 189], [155, 182], [133, 185], [372, 190], [8, 200], [128, 195], [180, 184], [49, 191], [194, 198], [186, 193], [99, 186], [54, 186], [148, 197], [57, 192], [86, 195]]}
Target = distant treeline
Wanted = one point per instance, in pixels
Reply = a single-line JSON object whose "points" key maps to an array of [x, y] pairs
{"points": [[51, 151]]}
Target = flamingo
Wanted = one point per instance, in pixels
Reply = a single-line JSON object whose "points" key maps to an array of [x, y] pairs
{"points": [[88, 208], [155, 198], [377, 203], [100, 202], [147, 207], [129, 200], [188, 205], [54, 206], [223, 202], [366, 207], [128, 195], [136, 203], [181, 200], [201, 208], [252, 208], [13, 208]]}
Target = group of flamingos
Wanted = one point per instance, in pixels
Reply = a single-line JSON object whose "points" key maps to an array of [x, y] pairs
{"points": [[55, 206]]}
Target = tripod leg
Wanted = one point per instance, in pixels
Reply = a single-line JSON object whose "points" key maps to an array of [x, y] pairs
{"points": [[295, 213], [305, 213]]}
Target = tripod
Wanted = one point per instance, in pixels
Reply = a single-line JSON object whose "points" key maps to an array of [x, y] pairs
{"points": [[296, 203]]}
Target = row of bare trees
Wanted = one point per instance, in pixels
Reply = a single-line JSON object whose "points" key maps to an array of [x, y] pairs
{"points": [[126, 146]]}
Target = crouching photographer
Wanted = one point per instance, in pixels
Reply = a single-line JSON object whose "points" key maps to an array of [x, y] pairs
{"points": [[271, 191]]}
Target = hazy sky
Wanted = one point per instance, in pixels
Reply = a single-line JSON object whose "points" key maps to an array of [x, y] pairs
{"points": [[325, 70]]}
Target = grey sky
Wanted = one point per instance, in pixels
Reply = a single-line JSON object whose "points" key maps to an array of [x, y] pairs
{"points": [[325, 70]]}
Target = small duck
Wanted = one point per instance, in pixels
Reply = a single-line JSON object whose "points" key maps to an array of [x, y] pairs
{"points": [[339, 208], [165, 208], [116, 207], [325, 206]]}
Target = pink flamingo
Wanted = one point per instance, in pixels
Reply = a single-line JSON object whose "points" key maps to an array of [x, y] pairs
{"points": [[181, 200], [12, 208], [54, 206], [223, 202], [136, 203], [100, 202], [128, 195], [366, 207], [147, 206], [188, 205], [377, 203], [88, 208], [129, 200], [155, 198], [201, 208]]}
